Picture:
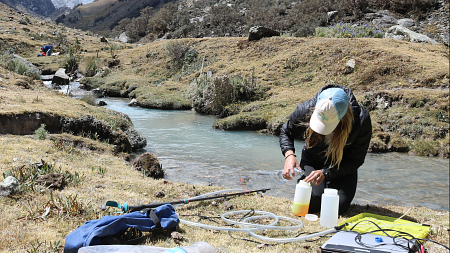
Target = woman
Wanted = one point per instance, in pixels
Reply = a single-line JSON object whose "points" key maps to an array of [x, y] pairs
{"points": [[336, 142]]}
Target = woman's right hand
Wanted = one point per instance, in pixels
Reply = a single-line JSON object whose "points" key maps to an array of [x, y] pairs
{"points": [[289, 165]]}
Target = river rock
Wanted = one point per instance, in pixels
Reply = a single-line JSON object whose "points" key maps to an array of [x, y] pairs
{"points": [[402, 33], [97, 93], [137, 141], [133, 102], [60, 77], [9, 186]]}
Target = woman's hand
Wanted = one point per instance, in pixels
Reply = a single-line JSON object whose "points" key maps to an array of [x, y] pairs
{"points": [[289, 165], [316, 177]]}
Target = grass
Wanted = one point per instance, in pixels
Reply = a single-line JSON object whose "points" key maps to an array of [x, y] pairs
{"points": [[50, 215], [288, 70]]}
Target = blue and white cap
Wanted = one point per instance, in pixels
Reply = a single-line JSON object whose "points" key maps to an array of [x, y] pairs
{"points": [[331, 106]]}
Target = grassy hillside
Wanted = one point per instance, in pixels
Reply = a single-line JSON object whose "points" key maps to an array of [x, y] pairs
{"points": [[101, 16], [412, 78], [405, 85]]}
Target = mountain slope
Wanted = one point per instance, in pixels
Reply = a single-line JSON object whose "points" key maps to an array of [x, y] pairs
{"points": [[41, 7], [101, 16]]}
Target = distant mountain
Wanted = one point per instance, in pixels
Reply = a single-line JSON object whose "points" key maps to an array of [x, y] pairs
{"points": [[103, 15], [41, 7], [69, 3]]}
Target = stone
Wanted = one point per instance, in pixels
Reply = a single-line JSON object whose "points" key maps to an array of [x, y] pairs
{"points": [[381, 19], [149, 165], [350, 66], [160, 194], [445, 38], [406, 22], [103, 39], [123, 38], [9, 186], [133, 102], [60, 77], [259, 32], [403, 33], [137, 140], [97, 93]]}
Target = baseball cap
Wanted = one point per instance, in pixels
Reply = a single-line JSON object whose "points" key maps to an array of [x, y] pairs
{"points": [[331, 106]]}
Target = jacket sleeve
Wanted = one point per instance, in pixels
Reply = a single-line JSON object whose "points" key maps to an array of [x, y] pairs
{"points": [[354, 155], [295, 126]]}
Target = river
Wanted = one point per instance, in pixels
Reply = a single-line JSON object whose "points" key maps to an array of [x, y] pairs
{"points": [[192, 152]]}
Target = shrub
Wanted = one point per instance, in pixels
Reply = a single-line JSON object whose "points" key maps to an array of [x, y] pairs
{"points": [[215, 95], [176, 52], [342, 30], [91, 67], [71, 61], [41, 133]]}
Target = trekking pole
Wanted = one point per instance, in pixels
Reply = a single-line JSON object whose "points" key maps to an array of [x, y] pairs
{"points": [[126, 208]]}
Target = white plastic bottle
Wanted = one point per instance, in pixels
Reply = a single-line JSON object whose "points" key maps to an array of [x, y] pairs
{"points": [[302, 198], [297, 174], [330, 208]]}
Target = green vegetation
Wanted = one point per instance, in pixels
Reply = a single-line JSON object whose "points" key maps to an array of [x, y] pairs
{"points": [[299, 20], [18, 66], [348, 31], [71, 61], [41, 133]]}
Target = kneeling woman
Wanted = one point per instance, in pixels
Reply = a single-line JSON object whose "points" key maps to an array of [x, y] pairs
{"points": [[336, 142]]}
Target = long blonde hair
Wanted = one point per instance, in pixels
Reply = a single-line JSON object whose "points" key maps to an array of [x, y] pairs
{"points": [[336, 147]]}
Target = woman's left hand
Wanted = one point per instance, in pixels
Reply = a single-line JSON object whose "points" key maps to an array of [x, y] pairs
{"points": [[316, 177]]}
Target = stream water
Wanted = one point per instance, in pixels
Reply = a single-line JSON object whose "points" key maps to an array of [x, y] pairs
{"points": [[192, 152]]}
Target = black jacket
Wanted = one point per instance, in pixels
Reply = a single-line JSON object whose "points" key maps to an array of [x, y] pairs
{"points": [[355, 149]]}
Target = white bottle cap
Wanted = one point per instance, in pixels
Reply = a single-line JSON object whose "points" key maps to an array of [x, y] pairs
{"points": [[330, 191]]}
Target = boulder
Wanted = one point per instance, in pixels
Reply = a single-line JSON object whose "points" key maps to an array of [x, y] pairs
{"points": [[137, 140], [9, 186], [402, 33], [60, 77], [97, 93], [30, 66], [381, 19], [103, 39], [406, 22], [331, 15], [149, 165], [133, 102], [123, 38], [259, 32]]}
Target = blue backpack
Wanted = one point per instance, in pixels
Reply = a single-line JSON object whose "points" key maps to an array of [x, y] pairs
{"points": [[93, 231]]}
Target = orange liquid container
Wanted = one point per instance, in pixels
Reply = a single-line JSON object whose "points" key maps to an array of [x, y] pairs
{"points": [[300, 209], [301, 198]]}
